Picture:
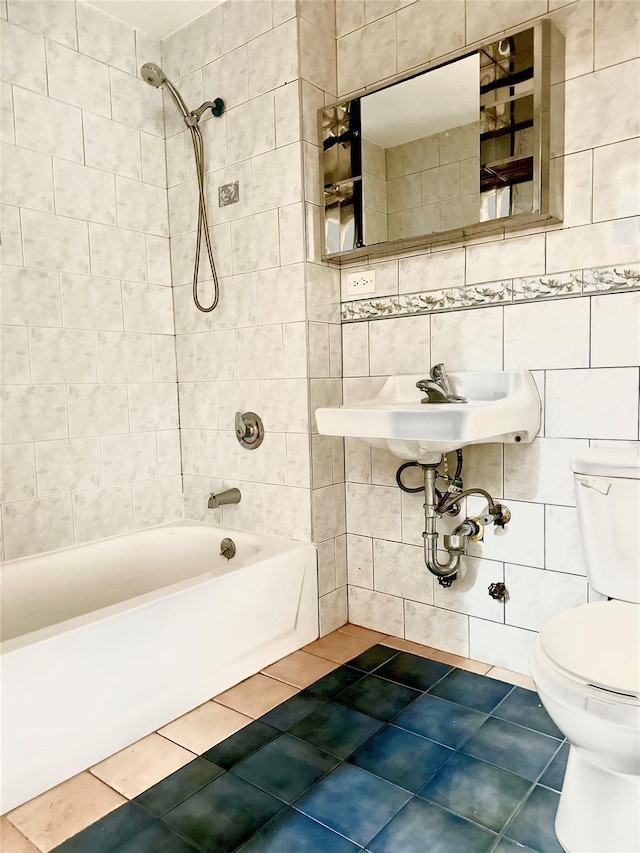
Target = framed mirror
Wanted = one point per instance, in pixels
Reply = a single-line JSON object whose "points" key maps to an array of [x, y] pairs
{"points": [[455, 150]]}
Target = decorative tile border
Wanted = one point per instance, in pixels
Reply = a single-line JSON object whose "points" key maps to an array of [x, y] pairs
{"points": [[576, 283]]}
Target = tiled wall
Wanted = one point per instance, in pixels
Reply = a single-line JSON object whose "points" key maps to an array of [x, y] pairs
{"points": [[250, 354], [318, 86], [584, 350], [90, 443]]}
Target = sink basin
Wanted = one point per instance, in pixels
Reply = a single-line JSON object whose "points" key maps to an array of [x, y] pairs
{"points": [[503, 406]]}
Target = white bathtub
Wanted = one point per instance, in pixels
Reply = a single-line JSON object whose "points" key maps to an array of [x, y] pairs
{"points": [[106, 642]]}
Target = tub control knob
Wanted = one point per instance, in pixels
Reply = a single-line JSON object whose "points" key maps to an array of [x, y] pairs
{"points": [[227, 548], [249, 429]]}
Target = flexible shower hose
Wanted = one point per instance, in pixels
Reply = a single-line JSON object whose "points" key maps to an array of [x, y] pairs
{"points": [[203, 225]]}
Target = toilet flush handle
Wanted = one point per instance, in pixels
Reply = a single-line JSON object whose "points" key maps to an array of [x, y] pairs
{"points": [[598, 484]]}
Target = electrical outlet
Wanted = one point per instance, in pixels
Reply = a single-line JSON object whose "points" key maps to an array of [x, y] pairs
{"points": [[361, 283]]}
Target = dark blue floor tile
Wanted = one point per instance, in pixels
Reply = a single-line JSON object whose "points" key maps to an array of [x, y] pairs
{"points": [[290, 712], [476, 790], [156, 839], [373, 658], [162, 797], [511, 747], [440, 720], [241, 744], [400, 757], [473, 691], [109, 832], [422, 827], [336, 729], [377, 697], [534, 823], [353, 802], [334, 682], [525, 708], [292, 832], [553, 776], [286, 767], [413, 671], [223, 815]]}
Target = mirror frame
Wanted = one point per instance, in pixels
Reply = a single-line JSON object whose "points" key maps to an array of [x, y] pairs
{"points": [[548, 48]]}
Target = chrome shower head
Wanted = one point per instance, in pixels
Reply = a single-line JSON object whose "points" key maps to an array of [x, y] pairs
{"points": [[153, 74]]}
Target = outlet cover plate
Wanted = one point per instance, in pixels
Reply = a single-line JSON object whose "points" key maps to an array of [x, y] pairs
{"points": [[361, 283]]}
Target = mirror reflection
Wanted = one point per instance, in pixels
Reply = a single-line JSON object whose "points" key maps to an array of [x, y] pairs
{"points": [[441, 152]]}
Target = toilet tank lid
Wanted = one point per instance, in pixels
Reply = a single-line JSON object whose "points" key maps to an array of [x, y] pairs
{"points": [[608, 461], [598, 644]]}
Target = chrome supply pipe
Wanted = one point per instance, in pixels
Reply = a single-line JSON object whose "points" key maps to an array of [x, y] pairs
{"points": [[456, 542], [430, 534]]}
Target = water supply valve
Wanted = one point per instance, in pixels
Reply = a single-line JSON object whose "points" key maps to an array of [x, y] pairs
{"points": [[498, 591], [497, 514]]}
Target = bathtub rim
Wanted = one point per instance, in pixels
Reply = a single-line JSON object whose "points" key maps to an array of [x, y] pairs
{"points": [[278, 545]]}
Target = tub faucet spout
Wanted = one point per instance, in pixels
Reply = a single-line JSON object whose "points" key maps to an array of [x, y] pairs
{"points": [[229, 496]]}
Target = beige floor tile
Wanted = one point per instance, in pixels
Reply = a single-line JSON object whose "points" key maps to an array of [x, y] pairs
{"points": [[409, 646], [70, 807], [256, 695], [510, 677], [12, 841], [462, 663], [204, 727], [300, 669], [363, 633], [338, 647], [142, 764]]}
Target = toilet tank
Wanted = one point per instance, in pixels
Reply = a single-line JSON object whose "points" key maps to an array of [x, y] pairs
{"points": [[608, 502]]}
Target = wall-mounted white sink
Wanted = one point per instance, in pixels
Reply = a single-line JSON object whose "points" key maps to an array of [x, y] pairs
{"points": [[502, 406]]}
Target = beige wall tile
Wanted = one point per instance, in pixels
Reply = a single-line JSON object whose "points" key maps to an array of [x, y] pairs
{"points": [[535, 596], [27, 178], [547, 335], [468, 340], [318, 54], [441, 629], [617, 31], [616, 180], [615, 330], [399, 346], [333, 610], [376, 610], [570, 412], [366, 56], [49, 126], [609, 94], [423, 29]]}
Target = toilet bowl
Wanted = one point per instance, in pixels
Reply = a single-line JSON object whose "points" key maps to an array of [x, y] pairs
{"points": [[586, 664]]}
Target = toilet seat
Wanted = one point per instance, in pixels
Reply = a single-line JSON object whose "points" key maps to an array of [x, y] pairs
{"points": [[597, 645]]}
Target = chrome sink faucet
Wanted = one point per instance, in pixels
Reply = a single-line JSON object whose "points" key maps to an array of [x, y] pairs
{"points": [[438, 388]]}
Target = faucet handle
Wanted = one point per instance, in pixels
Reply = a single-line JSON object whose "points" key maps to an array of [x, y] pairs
{"points": [[439, 375], [242, 429]]}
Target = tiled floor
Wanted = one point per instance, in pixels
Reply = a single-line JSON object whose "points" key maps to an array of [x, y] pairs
{"points": [[358, 742]]}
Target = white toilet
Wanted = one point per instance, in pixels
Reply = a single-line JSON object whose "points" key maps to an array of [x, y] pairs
{"points": [[586, 663]]}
